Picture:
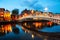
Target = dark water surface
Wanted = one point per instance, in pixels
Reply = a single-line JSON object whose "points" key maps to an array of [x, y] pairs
{"points": [[19, 32]]}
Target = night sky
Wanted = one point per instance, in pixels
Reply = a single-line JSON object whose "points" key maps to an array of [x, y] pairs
{"points": [[51, 5]]}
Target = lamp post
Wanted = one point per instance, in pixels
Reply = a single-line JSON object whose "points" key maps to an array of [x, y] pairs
{"points": [[45, 11]]}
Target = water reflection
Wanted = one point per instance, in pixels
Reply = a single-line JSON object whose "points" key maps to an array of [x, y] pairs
{"points": [[28, 31], [15, 30], [41, 29], [42, 35], [4, 29], [37, 25], [34, 34]]}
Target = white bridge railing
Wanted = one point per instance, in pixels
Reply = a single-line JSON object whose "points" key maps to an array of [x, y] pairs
{"points": [[39, 17], [53, 19]]}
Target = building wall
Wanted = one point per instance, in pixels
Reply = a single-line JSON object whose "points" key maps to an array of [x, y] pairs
{"points": [[7, 16], [2, 14]]}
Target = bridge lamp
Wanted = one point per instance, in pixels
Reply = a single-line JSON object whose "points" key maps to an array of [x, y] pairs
{"points": [[46, 9]]}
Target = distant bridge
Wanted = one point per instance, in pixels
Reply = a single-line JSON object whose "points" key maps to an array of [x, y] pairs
{"points": [[41, 17]]}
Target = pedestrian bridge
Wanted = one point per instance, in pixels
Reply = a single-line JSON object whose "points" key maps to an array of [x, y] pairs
{"points": [[41, 17]]}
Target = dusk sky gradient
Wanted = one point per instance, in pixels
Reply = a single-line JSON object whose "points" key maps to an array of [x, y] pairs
{"points": [[52, 5]]}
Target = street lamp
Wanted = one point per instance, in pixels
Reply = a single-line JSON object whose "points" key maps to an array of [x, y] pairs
{"points": [[45, 9]]}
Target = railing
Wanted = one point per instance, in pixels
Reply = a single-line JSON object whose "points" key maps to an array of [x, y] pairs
{"points": [[39, 17], [43, 17]]}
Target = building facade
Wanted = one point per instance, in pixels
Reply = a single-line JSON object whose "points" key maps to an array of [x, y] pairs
{"points": [[7, 16], [2, 14]]}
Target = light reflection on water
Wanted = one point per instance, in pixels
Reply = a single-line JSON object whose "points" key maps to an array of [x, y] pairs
{"points": [[18, 32]]}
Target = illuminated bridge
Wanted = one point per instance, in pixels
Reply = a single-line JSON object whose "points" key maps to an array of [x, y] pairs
{"points": [[40, 17]]}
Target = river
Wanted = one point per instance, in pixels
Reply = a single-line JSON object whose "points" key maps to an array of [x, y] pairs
{"points": [[19, 32]]}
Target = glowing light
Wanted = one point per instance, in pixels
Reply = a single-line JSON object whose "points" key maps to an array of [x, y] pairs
{"points": [[25, 24], [46, 9], [32, 36], [37, 24], [32, 11], [7, 16], [49, 23], [6, 28]]}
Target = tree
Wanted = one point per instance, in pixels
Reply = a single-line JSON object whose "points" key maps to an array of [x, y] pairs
{"points": [[15, 11]]}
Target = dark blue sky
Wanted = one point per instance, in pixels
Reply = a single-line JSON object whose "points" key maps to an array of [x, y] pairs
{"points": [[52, 5]]}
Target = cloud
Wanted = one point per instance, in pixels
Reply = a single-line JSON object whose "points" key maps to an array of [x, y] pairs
{"points": [[37, 7], [31, 4]]}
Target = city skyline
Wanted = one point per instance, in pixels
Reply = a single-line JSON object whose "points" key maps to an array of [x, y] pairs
{"points": [[51, 5]]}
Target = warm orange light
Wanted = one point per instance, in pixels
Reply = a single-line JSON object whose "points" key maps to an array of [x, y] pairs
{"points": [[32, 11], [25, 24], [37, 24], [25, 14], [28, 26], [49, 23], [7, 16], [7, 28]]}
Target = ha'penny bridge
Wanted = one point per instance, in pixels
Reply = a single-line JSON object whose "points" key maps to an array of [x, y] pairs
{"points": [[40, 17]]}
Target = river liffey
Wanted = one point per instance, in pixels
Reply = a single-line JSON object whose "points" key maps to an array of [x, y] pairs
{"points": [[29, 31]]}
